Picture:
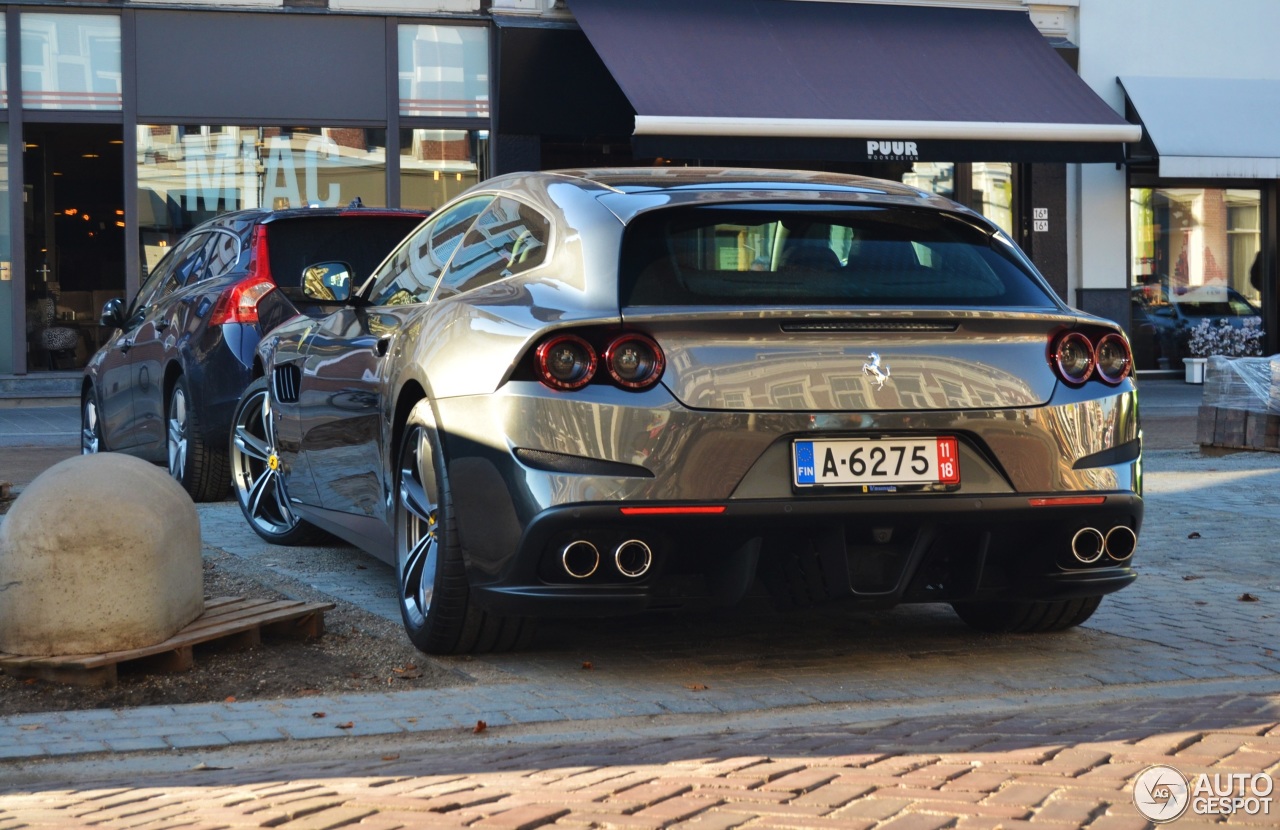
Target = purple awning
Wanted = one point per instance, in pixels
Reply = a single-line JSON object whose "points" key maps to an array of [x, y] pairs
{"points": [[787, 69]]}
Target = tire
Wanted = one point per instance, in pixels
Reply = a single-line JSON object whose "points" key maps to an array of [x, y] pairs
{"points": [[255, 473], [90, 425], [201, 469], [435, 601], [1027, 616], [792, 573]]}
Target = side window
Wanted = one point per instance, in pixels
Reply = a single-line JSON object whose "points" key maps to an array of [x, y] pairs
{"points": [[190, 269], [508, 238], [409, 275], [220, 254], [164, 278]]}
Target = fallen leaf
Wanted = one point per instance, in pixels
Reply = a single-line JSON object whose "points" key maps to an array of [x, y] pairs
{"points": [[408, 675], [31, 681], [203, 766], [587, 666], [391, 757], [31, 727], [409, 667], [1191, 577], [230, 699], [346, 725], [319, 714], [1201, 602], [1247, 597], [1193, 535], [696, 687], [480, 727], [411, 720]]}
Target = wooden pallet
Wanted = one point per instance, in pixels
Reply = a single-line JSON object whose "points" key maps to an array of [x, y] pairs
{"points": [[230, 621]]}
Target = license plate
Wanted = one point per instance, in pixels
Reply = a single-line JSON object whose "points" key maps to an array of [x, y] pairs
{"points": [[875, 462]]}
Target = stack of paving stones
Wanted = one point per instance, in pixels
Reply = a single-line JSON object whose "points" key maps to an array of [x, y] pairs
{"points": [[1235, 414]]}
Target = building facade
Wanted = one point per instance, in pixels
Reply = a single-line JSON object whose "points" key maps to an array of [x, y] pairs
{"points": [[124, 124]]}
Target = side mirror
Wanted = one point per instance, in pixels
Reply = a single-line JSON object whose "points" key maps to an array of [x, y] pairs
{"points": [[327, 282], [112, 313]]}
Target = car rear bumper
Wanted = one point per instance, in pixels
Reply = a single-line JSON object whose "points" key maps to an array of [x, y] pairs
{"points": [[880, 549]]}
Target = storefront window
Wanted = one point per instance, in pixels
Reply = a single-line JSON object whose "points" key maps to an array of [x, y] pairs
{"points": [[993, 192], [937, 177], [6, 257], [1194, 258], [985, 186], [188, 174], [444, 71], [436, 165], [71, 62], [4, 61]]}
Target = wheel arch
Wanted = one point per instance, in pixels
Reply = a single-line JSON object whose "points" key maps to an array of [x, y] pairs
{"points": [[411, 394]]}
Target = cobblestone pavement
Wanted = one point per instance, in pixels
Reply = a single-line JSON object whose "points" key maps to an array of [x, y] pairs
{"points": [[1031, 767], [827, 718]]}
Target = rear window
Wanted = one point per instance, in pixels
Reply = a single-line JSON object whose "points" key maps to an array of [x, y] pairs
{"points": [[360, 241], [801, 255]]}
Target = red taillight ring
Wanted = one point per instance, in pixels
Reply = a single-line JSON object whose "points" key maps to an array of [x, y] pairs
{"points": [[650, 377], [544, 370], [1061, 348], [1112, 377]]}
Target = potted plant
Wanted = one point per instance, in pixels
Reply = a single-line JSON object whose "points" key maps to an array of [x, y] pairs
{"points": [[1219, 336]]}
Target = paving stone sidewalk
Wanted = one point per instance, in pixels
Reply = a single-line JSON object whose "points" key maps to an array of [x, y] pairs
{"points": [[1031, 767]]}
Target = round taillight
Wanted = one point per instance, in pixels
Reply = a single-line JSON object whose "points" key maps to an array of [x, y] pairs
{"points": [[634, 361], [565, 361], [1073, 357], [1114, 360]]}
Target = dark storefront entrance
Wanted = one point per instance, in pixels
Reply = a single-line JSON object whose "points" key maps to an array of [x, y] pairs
{"points": [[74, 237]]}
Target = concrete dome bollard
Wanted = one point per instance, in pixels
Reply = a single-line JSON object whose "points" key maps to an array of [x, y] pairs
{"points": [[100, 553]]}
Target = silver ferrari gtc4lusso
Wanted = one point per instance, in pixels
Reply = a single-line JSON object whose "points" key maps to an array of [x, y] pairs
{"points": [[595, 392]]}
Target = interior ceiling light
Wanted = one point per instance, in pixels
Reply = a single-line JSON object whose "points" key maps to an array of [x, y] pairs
{"points": [[89, 156]]}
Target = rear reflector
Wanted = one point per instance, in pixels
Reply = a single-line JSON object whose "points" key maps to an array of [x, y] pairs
{"points": [[672, 511], [1067, 501]]}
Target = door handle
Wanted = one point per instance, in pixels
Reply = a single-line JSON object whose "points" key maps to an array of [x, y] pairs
{"points": [[161, 325], [381, 346], [125, 346]]}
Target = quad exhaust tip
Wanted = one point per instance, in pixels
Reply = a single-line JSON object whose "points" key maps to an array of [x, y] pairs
{"points": [[580, 559], [1089, 544], [633, 558], [1121, 543]]}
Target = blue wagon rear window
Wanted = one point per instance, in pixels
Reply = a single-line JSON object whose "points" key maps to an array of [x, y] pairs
{"points": [[801, 255]]}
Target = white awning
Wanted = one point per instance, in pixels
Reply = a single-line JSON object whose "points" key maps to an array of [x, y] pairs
{"points": [[1212, 128]]}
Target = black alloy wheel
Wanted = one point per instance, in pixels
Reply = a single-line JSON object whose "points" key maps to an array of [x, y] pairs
{"points": [[201, 469], [90, 426], [434, 594]]}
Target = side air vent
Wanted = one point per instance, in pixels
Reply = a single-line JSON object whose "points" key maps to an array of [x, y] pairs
{"points": [[873, 326], [285, 379]]}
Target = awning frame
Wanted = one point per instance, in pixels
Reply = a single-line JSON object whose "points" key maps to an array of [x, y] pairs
{"points": [[883, 130]]}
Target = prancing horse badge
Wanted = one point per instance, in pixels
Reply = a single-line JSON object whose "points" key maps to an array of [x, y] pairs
{"points": [[879, 373]]}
